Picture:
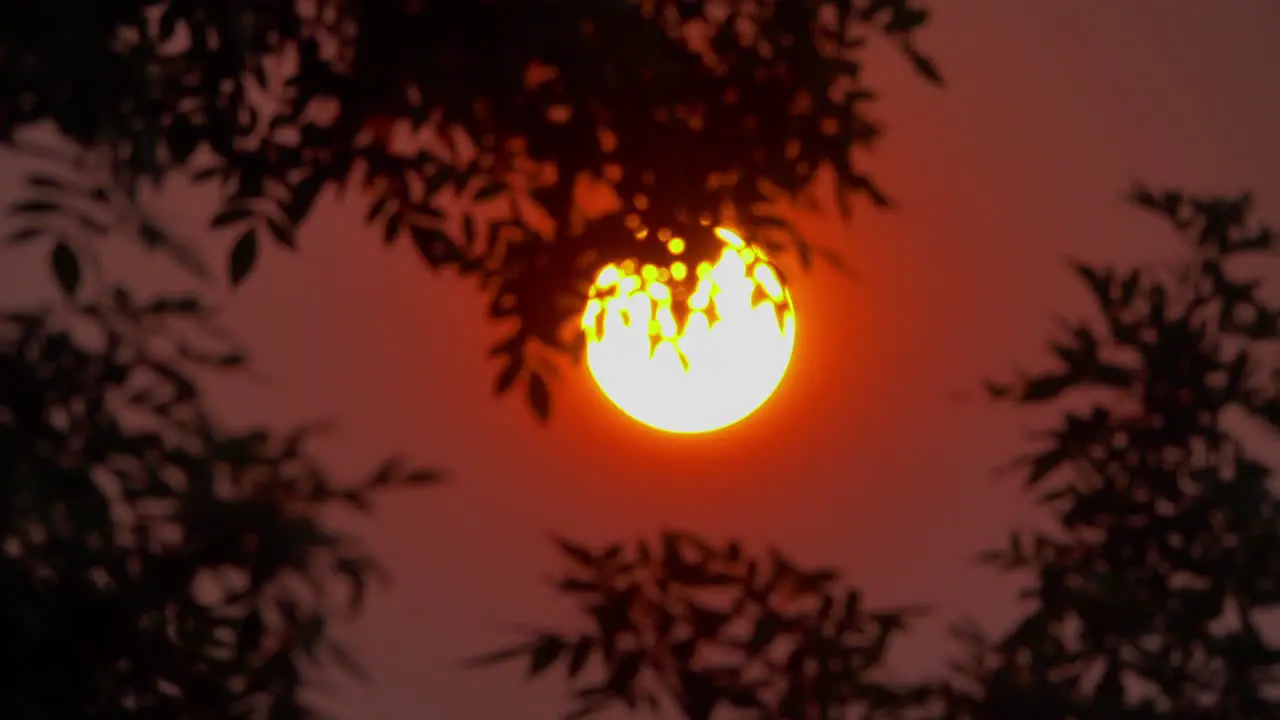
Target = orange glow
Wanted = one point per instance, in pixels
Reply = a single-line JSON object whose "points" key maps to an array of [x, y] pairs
{"points": [[724, 363]]}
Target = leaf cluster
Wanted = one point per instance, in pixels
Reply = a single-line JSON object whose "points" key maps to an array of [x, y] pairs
{"points": [[1146, 594], [474, 128], [154, 563], [702, 627]]}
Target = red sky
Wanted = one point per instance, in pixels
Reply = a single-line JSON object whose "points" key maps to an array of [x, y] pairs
{"points": [[866, 458]]}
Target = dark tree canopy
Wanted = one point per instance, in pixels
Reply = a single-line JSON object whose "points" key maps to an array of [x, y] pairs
{"points": [[700, 628], [1147, 593], [475, 128], [154, 564]]}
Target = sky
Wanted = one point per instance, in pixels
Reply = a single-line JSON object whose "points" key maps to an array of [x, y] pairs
{"points": [[877, 453]]}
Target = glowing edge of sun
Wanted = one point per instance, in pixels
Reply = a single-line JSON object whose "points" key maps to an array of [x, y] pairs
{"points": [[730, 367]]}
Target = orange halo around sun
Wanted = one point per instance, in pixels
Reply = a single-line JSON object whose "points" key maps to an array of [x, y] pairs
{"points": [[720, 367]]}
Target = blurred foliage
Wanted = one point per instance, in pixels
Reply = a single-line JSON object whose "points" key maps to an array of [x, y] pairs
{"points": [[477, 129], [1151, 581], [154, 564], [694, 627], [1148, 589]]}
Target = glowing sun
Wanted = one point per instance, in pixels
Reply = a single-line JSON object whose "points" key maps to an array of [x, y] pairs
{"points": [[690, 354]]}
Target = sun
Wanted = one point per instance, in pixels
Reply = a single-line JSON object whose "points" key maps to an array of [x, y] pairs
{"points": [[690, 353]]}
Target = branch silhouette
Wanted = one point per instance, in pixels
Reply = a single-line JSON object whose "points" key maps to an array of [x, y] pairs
{"points": [[699, 627], [1149, 589], [152, 562]]}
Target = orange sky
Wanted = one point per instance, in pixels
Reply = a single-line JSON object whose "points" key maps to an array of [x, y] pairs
{"points": [[865, 458]]}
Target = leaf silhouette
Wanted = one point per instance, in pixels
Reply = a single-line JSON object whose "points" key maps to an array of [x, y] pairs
{"points": [[581, 653], [1116, 577], [66, 268], [546, 650], [510, 372], [669, 627], [244, 254], [490, 191], [230, 216], [539, 397], [22, 235]]}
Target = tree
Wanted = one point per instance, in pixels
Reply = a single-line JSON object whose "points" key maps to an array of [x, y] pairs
{"points": [[477, 129], [1148, 589], [700, 627], [152, 562], [1147, 592]]}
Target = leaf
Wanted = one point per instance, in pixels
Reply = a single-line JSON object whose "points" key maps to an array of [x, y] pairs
{"points": [[1042, 465], [205, 174], [155, 237], [1142, 196], [393, 228], [1099, 282], [577, 585], [152, 235], [852, 604], [243, 256], [66, 268], [439, 178], [91, 224], [304, 197], [310, 633], [1045, 387], [780, 314], [505, 347], [625, 673], [347, 661], [581, 653], [24, 234], [169, 21], [230, 361], [546, 651], [578, 553], [386, 473], [229, 216], [356, 574], [423, 476], [434, 245], [46, 182], [539, 397], [508, 376], [707, 623], [282, 234], [924, 65], [376, 207], [998, 391], [490, 191], [469, 230], [766, 629], [34, 206], [252, 630]]}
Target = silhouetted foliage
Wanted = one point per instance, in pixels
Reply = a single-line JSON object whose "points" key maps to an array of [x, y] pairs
{"points": [[1148, 589], [154, 564], [475, 128], [697, 627]]}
